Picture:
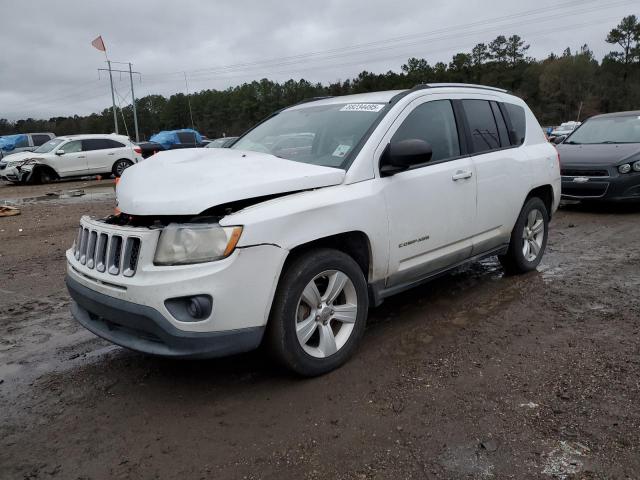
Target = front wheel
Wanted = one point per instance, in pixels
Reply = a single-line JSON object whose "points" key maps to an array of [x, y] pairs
{"points": [[528, 238], [319, 312], [120, 166]]}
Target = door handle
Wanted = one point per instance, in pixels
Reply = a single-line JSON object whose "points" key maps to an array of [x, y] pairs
{"points": [[81, 156], [461, 175], [111, 153]]}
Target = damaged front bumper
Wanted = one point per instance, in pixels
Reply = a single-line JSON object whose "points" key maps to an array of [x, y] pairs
{"points": [[119, 293], [17, 174]]}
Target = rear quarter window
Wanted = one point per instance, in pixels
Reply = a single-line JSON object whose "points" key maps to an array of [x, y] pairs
{"points": [[39, 139], [518, 122]]}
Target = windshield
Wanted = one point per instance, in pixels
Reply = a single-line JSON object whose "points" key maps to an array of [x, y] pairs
{"points": [[321, 135], [49, 146], [624, 129]]}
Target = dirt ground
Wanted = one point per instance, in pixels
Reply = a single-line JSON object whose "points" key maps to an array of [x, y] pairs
{"points": [[475, 375]]}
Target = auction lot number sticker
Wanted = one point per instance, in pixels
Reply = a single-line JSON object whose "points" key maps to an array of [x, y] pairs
{"points": [[362, 107]]}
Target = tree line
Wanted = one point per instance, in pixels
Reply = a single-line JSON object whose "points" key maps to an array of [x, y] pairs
{"points": [[570, 86]]}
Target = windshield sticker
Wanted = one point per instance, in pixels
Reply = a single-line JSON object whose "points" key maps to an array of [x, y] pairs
{"points": [[341, 151], [362, 107]]}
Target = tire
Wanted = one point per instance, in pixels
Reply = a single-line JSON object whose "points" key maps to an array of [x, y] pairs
{"points": [[44, 175], [120, 166], [312, 353], [522, 256]]}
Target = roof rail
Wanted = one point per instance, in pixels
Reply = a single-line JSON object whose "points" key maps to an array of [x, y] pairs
{"points": [[311, 99], [459, 85]]}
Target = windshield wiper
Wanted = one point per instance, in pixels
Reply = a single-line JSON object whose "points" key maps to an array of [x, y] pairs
{"points": [[571, 142]]}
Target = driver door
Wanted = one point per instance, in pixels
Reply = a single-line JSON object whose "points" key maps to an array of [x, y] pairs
{"points": [[73, 161], [431, 207]]}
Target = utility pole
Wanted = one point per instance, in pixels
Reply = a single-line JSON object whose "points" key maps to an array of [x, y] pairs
{"points": [[113, 98], [133, 102], [189, 100], [579, 112]]}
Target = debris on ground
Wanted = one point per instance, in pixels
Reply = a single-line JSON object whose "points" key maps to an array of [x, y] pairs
{"points": [[8, 211]]}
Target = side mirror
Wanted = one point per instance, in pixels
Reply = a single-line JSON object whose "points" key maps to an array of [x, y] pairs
{"points": [[404, 154], [60, 152], [559, 139]]}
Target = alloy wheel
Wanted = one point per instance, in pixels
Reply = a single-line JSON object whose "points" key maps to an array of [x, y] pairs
{"points": [[326, 313], [533, 235]]}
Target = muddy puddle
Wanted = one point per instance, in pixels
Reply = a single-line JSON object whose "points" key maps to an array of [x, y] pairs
{"points": [[64, 196]]}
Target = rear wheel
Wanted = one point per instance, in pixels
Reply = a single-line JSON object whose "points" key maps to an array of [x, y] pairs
{"points": [[528, 238], [319, 312], [120, 166]]}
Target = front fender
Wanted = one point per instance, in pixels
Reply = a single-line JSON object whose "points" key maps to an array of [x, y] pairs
{"points": [[307, 216]]}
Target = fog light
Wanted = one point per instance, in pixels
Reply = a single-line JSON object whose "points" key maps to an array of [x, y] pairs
{"points": [[625, 168], [190, 309], [636, 166], [196, 307]]}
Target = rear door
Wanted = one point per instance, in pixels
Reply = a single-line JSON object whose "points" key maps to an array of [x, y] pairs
{"points": [[102, 153], [501, 170], [431, 208]]}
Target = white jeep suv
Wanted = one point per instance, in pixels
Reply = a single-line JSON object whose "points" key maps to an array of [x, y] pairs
{"points": [[71, 156], [217, 250]]}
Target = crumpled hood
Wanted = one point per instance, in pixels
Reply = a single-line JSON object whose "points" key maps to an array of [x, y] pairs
{"points": [[19, 156], [189, 181], [604, 155]]}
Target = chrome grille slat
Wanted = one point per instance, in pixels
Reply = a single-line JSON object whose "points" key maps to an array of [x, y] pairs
{"points": [[83, 246], [108, 249], [76, 244], [130, 257], [91, 249], [115, 255], [101, 252]]}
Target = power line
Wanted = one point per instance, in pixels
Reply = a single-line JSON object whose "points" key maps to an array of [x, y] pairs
{"points": [[308, 56], [377, 50], [355, 51]]}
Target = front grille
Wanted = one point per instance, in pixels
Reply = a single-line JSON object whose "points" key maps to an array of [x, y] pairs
{"points": [[115, 254], [572, 172], [585, 190]]}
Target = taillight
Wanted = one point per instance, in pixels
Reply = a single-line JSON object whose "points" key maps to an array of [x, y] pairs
{"points": [[138, 150]]}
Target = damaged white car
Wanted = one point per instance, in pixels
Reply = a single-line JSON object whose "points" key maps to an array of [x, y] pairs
{"points": [[218, 250], [71, 156]]}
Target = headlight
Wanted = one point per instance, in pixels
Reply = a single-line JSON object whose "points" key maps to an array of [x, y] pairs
{"points": [[182, 244], [23, 163], [624, 168], [636, 166]]}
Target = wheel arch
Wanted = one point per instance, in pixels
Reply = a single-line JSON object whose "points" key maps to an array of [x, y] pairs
{"points": [[41, 167], [355, 243], [544, 193]]}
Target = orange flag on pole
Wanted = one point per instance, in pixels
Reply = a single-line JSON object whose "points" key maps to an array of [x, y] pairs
{"points": [[99, 44]]}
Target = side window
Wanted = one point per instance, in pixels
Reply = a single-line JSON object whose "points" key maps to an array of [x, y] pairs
{"points": [[186, 137], [40, 139], [518, 122], [112, 143], [502, 126], [435, 123], [73, 146], [482, 124], [94, 144]]}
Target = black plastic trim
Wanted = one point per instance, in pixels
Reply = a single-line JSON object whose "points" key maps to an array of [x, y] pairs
{"points": [[144, 329], [378, 290]]}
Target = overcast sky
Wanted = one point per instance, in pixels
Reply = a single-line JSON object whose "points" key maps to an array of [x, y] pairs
{"points": [[48, 66]]}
